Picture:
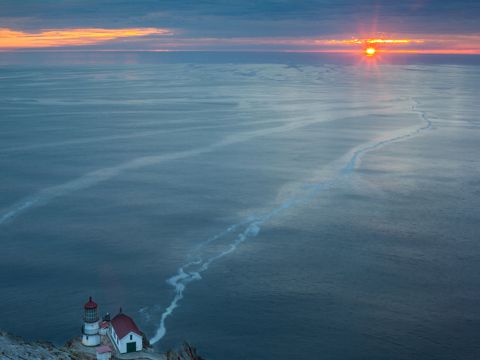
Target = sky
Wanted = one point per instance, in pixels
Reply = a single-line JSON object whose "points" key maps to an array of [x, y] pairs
{"points": [[434, 26]]}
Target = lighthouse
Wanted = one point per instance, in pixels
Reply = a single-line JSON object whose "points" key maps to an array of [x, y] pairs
{"points": [[91, 327]]}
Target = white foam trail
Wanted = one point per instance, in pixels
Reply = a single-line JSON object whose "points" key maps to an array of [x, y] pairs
{"points": [[98, 139], [252, 225], [229, 230], [16, 209], [129, 136], [149, 133], [183, 278], [98, 176]]}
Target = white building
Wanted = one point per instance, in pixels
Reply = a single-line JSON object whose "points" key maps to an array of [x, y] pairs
{"points": [[90, 328], [125, 334], [103, 352], [104, 326]]}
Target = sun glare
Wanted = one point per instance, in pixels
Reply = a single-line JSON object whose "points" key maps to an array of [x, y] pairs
{"points": [[370, 51]]}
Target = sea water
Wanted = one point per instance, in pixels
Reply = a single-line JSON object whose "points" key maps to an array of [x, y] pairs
{"points": [[260, 207]]}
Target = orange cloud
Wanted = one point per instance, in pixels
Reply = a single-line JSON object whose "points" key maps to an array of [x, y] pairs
{"points": [[372, 41], [425, 44], [398, 43], [436, 51], [10, 39]]}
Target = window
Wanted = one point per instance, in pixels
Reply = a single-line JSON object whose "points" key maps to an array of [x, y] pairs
{"points": [[131, 337]]}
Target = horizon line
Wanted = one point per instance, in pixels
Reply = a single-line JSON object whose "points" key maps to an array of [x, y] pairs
{"points": [[319, 51]]}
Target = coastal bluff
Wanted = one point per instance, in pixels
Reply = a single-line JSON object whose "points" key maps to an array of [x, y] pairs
{"points": [[16, 348]]}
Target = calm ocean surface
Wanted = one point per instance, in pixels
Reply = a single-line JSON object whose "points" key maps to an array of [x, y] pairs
{"points": [[304, 208]]}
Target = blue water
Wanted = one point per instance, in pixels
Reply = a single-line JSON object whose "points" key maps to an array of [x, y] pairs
{"points": [[259, 206]]}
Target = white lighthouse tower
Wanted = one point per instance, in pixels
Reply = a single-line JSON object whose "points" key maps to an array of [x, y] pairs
{"points": [[91, 326]]}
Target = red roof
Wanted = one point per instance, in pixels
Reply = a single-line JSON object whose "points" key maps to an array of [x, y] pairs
{"points": [[123, 324], [90, 304], [103, 349], [104, 324]]}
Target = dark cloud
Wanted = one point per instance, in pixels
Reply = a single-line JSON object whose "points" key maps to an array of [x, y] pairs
{"points": [[232, 18]]}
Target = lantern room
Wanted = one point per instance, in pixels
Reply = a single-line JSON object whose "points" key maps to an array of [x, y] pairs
{"points": [[91, 311]]}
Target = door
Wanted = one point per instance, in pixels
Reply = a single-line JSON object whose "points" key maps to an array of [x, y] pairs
{"points": [[131, 347]]}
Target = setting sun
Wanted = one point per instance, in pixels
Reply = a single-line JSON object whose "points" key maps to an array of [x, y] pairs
{"points": [[370, 51]]}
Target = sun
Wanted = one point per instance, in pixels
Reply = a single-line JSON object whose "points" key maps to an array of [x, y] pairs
{"points": [[370, 51]]}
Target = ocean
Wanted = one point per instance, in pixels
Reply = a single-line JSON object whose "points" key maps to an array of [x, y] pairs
{"points": [[259, 206]]}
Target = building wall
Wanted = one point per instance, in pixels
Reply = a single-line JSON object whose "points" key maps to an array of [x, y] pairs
{"points": [[105, 356], [91, 328], [90, 335], [121, 344], [90, 340]]}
